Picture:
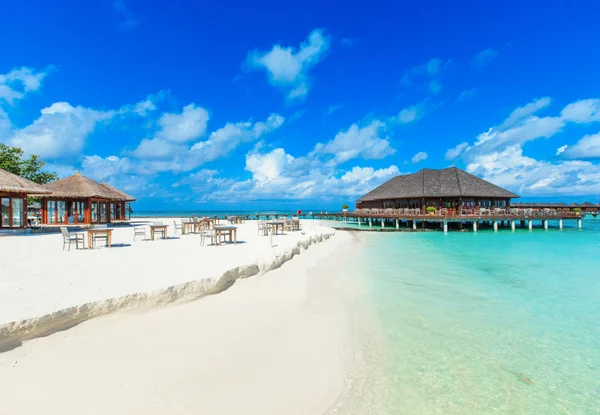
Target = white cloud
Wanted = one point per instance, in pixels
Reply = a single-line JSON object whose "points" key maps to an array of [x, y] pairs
{"points": [[586, 148], [60, 131], [18, 82], [426, 76], [189, 125], [420, 156], [287, 68], [364, 142], [484, 58], [228, 138], [454, 152], [584, 111], [497, 155], [415, 112]]}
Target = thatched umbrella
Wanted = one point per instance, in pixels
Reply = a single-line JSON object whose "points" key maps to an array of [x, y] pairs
{"points": [[11, 183]]}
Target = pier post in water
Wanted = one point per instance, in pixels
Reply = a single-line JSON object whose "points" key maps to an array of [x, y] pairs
{"points": [[530, 225], [474, 226], [414, 224], [358, 221], [513, 225], [382, 223], [579, 223], [495, 226], [545, 223], [560, 224], [397, 224], [370, 222], [445, 223]]}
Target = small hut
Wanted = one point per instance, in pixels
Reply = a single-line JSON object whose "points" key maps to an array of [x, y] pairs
{"points": [[79, 200], [445, 188], [13, 199]]}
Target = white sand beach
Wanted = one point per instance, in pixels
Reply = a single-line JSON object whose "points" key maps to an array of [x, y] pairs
{"points": [[276, 343], [44, 287]]}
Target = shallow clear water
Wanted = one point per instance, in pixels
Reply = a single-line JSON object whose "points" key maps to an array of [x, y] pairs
{"points": [[478, 323]]}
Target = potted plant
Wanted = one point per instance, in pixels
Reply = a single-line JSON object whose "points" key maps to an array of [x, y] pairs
{"points": [[577, 211], [344, 208], [431, 210]]}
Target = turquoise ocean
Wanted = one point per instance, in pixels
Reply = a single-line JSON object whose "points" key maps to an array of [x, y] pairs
{"points": [[479, 323]]}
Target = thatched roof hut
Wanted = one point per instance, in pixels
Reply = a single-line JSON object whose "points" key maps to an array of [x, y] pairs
{"points": [[434, 184], [11, 183], [79, 200], [80, 187]]}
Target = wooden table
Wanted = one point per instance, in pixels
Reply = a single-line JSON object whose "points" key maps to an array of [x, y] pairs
{"points": [[92, 232], [276, 225], [160, 228], [221, 230]]}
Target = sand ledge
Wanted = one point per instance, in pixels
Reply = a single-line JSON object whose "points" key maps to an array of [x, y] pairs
{"points": [[14, 333]]}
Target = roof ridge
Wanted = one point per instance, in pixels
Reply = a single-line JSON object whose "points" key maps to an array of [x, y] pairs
{"points": [[458, 182]]}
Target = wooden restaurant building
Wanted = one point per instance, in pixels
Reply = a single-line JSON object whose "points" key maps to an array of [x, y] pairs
{"points": [[449, 188], [13, 199], [77, 200]]}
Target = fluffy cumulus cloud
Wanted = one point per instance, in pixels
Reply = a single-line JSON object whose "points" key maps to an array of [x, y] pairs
{"points": [[416, 112], [357, 142], [497, 154], [289, 68], [419, 157], [60, 131], [175, 129], [484, 58], [18, 82], [586, 148]]}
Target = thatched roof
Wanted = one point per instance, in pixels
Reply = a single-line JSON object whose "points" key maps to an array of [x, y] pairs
{"points": [[12, 183], [430, 183], [125, 196], [78, 186]]}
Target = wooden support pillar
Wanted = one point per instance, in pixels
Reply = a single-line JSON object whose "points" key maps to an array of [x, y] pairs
{"points": [[474, 226], [414, 223], [359, 221], [370, 222], [560, 224], [397, 223], [513, 225], [495, 226], [445, 225], [382, 223], [579, 223], [545, 223], [530, 225]]}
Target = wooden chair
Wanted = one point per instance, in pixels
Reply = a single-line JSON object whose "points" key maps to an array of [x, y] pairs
{"points": [[207, 233], [177, 227], [263, 228], [139, 230], [69, 238], [102, 237]]}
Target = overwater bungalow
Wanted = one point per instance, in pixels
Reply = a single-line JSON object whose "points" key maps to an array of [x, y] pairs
{"points": [[449, 188], [79, 200], [14, 191]]}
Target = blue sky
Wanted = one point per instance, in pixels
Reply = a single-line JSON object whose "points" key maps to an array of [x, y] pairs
{"points": [[303, 104]]}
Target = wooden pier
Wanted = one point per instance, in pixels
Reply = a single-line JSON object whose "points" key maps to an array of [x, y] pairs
{"points": [[402, 221]]}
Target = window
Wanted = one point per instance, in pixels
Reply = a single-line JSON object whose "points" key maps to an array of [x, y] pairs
{"points": [[51, 211], [112, 210], [119, 211], [5, 206], [80, 212], [17, 205], [95, 212], [102, 212], [61, 207]]}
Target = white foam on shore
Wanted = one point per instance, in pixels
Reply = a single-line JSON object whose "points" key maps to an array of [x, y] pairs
{"points": [[253, 263]]}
